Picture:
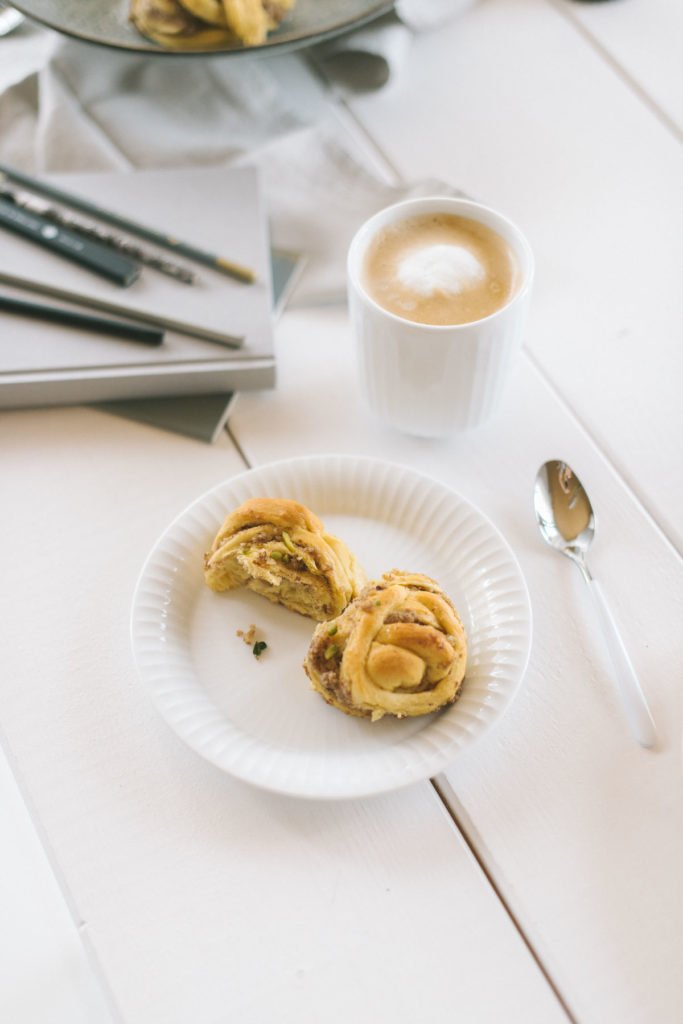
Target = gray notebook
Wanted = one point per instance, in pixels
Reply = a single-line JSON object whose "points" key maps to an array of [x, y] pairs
{"points": [[219, 210]]}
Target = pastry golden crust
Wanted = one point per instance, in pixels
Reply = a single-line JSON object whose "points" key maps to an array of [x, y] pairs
{"points": [[247, 19], [207, 24], [175, 27], [398, 649], [280, 549], [251, 20], [211, 11]]}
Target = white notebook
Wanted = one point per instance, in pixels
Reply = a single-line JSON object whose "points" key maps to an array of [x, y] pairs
{"points": [[218, 210]]}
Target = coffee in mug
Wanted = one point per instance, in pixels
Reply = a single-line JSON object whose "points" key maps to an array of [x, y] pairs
{"points": [[440, 268], [438, 294]]}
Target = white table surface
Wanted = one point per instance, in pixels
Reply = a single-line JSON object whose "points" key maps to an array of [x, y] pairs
{"points": [[539, 878]]}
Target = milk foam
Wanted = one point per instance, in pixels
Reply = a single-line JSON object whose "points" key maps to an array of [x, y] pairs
{"points": [[440, 268]]}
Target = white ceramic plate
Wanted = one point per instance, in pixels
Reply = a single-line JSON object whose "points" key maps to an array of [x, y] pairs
{"points": [[259, 720]]}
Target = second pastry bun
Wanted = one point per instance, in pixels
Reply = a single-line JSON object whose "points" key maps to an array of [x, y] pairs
{"points": [[398, 649]]}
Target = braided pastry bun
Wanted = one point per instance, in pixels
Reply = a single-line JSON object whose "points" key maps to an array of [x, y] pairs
{"points": [[280, 549], [207, 24], [398, 649]]}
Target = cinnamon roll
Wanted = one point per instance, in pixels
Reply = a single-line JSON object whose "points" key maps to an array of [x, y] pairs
{"points": [[251, 20], [398, 649], [280, 549], [175, 27], [207, 24]]}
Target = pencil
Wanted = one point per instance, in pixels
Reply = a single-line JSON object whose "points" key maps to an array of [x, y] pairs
{"points": [[82, 321], [136, 315], [220, 263], [36, 204]]}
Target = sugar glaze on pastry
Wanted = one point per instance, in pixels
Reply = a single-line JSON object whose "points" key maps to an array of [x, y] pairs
{"points": [[398, 649], [280, 549]]}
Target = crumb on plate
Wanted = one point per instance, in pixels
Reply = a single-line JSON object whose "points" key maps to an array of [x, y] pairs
{"points": [[248, 635]]}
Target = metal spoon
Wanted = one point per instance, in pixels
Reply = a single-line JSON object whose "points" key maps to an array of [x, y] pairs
{"points": [[566, 520]]}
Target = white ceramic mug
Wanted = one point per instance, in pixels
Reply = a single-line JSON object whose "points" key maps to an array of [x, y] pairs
{"points": [[432, 380]]}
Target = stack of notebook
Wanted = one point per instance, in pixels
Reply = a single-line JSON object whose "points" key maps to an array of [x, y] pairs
{"points": [[220, 334], [204, 416]]}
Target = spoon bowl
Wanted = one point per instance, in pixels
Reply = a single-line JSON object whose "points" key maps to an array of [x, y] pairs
{"points": [[563, 511]]}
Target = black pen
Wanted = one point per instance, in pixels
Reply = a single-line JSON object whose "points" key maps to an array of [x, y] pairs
{"points": [[82, 321], [93, 256]]}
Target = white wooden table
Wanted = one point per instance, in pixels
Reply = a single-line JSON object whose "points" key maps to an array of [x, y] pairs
{"points": [[540, 878]]}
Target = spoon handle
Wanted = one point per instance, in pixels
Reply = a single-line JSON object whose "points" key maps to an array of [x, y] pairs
{"points": [[632, 696]]}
